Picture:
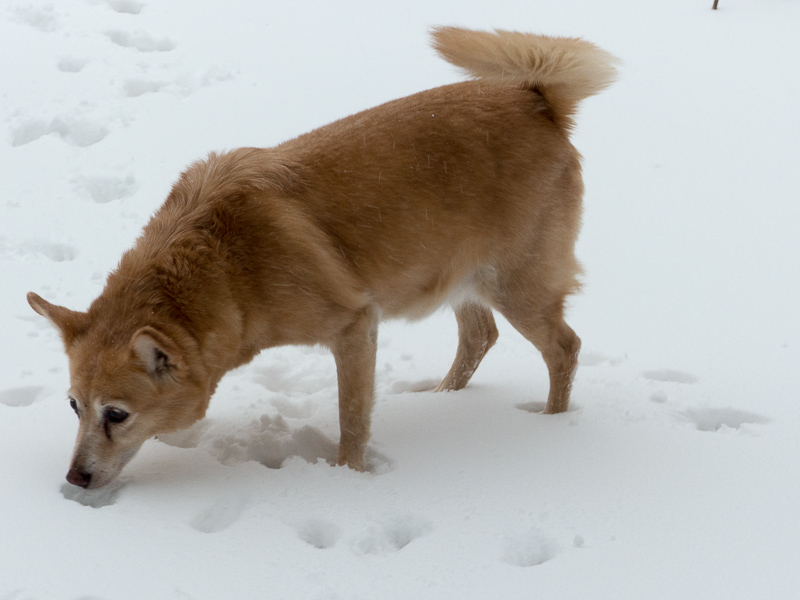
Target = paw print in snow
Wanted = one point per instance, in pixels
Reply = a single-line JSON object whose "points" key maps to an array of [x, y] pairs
{"points": [[716, 419], [529, 549], [21, 396]]}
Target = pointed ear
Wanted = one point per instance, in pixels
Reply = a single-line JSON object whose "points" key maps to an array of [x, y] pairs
{"points": [[161, 357], [69, 322]]}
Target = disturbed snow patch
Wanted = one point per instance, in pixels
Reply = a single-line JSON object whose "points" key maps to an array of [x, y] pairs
{"points": [[219, 516], [141, 41], [71, 64], [532, 407], [590, 358], [670, 375], [105, 496], [130, 7], [106, 189], [76, 132], [54, 251], [402, 386], [392, 535], [714, 419], [318, 533], [529, 549], [42, 18], [271, 441], [21, 396]]}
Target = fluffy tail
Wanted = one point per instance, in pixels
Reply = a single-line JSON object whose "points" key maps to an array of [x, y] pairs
{"points": [[563, 70]]}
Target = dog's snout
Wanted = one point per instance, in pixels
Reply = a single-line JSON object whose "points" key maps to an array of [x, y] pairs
{"points": [[79, 478]]}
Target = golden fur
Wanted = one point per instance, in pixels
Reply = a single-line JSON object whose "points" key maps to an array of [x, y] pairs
{"points": [[468, 194]]}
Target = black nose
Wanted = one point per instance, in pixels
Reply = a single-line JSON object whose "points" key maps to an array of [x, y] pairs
{"points": [[79, 478]]}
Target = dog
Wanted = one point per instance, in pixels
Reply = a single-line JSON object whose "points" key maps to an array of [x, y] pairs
{"points": [[467, 194]]}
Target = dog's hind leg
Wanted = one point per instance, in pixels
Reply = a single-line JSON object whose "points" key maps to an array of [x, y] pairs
{"points": [[539, 316], [476, 334], [354, 351]]}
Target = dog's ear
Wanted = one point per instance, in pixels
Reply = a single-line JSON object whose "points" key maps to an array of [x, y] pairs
{"points": [[69, 322], [161, 357]]}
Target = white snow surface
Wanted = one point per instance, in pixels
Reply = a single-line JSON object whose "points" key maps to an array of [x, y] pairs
{"points": [[676, 471]]}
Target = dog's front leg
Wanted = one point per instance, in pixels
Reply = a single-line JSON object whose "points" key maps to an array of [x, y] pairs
{"points": [[354, 351]]}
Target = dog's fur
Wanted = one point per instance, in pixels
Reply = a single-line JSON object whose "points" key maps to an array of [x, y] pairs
{"points": [[467, 194]]}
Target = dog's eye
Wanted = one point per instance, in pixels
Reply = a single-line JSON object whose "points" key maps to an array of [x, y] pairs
{"points": [[115, 415], [74, 406]]}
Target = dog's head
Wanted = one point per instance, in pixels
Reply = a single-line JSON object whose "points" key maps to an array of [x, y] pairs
{"points": [[124, 388]]}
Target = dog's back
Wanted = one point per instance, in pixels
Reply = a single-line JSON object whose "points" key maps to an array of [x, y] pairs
{"points": [[431, 192]]}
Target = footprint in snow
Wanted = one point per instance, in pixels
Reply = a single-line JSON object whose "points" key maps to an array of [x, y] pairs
{"points": [[220, 516], [402, 386], [590, 358], [106, 189], [670, 375], [715, 419], [76, 132], [133, 88], [318, 533], [140, 40], [532, 407], [42, 18], [53, 251], [21, 396], [183, 85], [71, 64], [128, 7], [538, 407], [529, 549], [393, 535]]}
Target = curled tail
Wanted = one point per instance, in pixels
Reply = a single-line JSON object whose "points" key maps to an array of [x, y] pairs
{"points": [[563, 70]]}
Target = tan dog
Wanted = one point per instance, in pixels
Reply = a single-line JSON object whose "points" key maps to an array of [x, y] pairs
{"points": [[467, 194]]}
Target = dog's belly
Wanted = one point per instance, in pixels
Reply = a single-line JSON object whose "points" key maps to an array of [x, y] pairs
{"points": [[416, 299]]}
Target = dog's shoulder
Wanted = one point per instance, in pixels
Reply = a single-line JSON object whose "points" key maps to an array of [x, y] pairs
{"points": [[229, 175]]}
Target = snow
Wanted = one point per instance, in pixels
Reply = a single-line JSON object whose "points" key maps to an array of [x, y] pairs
{"points": [[676, 472]]}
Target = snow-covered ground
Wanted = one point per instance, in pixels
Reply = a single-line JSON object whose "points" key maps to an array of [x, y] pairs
{"points": [[676, 472]]}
